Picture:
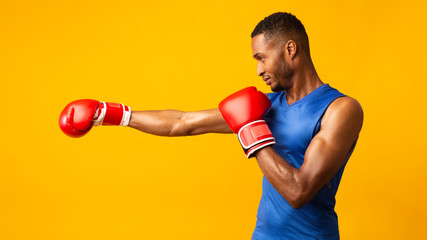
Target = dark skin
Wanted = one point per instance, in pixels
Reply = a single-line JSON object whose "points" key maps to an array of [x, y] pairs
{"points": [[285, 65]]}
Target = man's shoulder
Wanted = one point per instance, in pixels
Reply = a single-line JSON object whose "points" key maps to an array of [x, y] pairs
{"points": [[345, 103], [343, 109]]}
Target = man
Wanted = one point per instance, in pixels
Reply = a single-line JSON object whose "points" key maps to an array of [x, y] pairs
{"points": [[301, 135]]}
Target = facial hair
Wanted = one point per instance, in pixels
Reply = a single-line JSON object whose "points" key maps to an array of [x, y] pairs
{"points": [[282, 74]]}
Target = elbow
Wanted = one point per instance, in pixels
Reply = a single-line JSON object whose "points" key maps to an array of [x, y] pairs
{"points": [[179, 130], [297, 203], [180, 127], [298, 199], [300, 194]]}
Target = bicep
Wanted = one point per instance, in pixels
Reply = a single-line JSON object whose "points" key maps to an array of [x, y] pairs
{"points": [[205, 121], [328, 150]]}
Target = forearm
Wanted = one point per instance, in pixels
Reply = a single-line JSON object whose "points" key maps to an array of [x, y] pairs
{"points": [[160, 122], [178, 123], [286, 179]]}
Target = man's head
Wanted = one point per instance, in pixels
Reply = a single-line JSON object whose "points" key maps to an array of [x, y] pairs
{"points": [[279, 44]]}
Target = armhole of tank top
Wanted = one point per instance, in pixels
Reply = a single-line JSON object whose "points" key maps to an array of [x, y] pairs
{"points": [[319, 121]]}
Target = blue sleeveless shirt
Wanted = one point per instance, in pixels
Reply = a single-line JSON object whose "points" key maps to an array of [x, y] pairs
{"points": [[293, 127]]}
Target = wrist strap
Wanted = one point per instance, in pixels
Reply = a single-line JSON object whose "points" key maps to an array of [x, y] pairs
{"points": [[112, 114], [253, 133], [254, 136], [249, 152]]}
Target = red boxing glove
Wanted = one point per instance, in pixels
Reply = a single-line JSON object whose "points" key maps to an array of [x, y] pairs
{"points": [[244, 112], [79, 116]]}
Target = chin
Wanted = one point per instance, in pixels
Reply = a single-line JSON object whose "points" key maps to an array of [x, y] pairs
{"points": [[277, 88], [281, 86]]}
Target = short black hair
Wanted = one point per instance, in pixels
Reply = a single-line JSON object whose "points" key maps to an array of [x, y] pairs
{"points": [[280, 24]]}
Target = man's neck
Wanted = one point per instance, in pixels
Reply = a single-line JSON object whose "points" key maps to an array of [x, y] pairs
{"points": [[304, 82]]}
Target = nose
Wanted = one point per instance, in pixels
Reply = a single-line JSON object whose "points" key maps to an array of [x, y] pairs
{"points": [[260, 68]]}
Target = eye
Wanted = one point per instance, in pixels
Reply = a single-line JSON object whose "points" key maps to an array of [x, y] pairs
{"points": [[260, 58]]}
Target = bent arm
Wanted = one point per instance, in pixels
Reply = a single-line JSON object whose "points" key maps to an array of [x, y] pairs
{"points": [[325, 155], [179, 123]]}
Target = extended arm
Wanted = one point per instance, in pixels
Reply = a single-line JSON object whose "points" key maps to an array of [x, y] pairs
{"points": [[78, 118], [325, 155], [179, 123]]}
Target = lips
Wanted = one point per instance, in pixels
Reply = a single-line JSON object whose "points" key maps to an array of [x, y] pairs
{"points": [[267, 80]]}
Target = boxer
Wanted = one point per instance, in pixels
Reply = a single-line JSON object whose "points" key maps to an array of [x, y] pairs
{"points": [[302, 134]]}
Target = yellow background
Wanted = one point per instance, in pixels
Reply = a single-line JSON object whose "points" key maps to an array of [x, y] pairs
{"points": [[118, 183]]}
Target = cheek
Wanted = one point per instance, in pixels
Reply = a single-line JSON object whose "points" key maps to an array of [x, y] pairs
{"points": [[275, 66], [282, 68], [270, 67], [275, 70]]}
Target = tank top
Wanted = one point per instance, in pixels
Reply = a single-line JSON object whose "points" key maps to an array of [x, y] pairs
{"points": [[293, 127]]}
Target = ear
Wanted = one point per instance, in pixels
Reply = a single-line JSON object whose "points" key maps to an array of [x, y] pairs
{"points": [[290, 49]]}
